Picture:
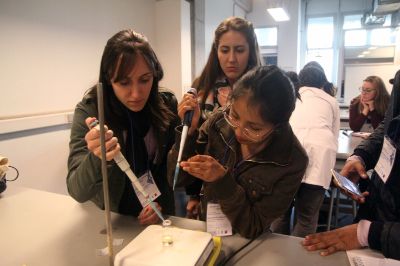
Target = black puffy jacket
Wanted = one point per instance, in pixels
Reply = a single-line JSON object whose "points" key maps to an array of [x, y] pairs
{"points": [[382, 206]]}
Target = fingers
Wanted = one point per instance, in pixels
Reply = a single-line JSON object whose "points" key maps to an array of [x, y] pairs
{"points": [[148, 215], [344, 238], [361, 199], [330, 250], [204, 167], [192, 209], [353, 170], [89, 121], [320, 241], [348, 168], [197, 165], [111, 145], [189, 102], [361, 170], [92, 139]]}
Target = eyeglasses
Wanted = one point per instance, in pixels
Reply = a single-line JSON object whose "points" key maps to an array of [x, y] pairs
{"points": [[254, 135], [366, 91]]}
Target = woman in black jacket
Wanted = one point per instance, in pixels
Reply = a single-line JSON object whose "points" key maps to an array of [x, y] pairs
{"points": [[378, 218]]}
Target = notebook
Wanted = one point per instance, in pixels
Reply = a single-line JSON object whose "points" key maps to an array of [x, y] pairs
{"points": [[189, 248]]}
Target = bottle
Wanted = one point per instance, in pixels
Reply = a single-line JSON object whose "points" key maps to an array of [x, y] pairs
{"points": [[167, 238]]}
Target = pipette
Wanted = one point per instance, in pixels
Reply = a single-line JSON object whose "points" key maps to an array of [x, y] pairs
{"points": [[124, 166], [187, 121]]}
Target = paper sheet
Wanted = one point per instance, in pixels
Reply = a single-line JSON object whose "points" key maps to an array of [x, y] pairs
{"points": [[368, 257]]}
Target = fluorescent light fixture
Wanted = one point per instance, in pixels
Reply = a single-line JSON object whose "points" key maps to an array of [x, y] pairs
{"points": [[372, 48], [278, 14], [366, 52], [361, 55]]}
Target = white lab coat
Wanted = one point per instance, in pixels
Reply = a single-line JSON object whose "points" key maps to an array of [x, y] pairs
{"points": [[315, 122]]}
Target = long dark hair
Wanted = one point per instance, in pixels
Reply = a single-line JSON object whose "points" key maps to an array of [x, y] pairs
{"points": [[327, 87], [123, 49], [269, 88], [212, 69], [314, 76]]}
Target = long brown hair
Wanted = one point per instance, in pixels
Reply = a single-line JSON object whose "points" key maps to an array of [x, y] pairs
{"points": [[382, 98], [212, 69], [120, 55]]}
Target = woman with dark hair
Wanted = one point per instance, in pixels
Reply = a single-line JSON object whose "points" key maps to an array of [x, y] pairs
{"points": [[315, 121], [246, 154], [141, 119], [368, 109], [328, 86], [233, 52]]}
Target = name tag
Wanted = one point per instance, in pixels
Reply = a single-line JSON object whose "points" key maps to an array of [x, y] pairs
{"points": [[386, 160], [217, 223], [148, 184]]}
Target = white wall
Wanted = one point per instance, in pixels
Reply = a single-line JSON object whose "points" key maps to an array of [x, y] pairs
{"points": [[199, 46], [50, 54], [40, 158], [354, 75], [173, 47], [50, 50], [215, 13]]}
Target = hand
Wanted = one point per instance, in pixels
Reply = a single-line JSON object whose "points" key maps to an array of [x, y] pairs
{"points": [[344, 238], [93, 141], [189, 102], [192, 209], [371, 105], [204, 167], [148, 215], [222, 96], [353, 170], [365, 107]]}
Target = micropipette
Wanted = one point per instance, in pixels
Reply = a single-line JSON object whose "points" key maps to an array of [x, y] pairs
{"points": [[187, 121], [124, 166]]}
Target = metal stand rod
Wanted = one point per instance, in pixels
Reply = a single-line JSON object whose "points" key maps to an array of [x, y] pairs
{"points": [[104, 173]]}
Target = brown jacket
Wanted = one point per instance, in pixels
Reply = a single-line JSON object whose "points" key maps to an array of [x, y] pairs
{"points": [[257, 191]]}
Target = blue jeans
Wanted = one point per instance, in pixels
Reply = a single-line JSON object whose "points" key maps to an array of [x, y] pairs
{"points": [[307, 202]]}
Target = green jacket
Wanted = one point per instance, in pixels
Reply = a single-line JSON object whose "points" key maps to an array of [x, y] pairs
{"points": [[261, 189], [84, 180]]}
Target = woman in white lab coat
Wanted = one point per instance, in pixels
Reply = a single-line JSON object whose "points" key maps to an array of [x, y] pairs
{"points": [[315, 122]]}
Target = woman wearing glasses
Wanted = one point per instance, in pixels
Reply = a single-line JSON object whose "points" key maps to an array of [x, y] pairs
{"points": [[368, 109], [246, 154]]}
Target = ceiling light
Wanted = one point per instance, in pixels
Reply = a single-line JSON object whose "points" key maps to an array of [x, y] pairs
{"points": [[366, 52], [361, 55], [372, 48], [278, 14]]}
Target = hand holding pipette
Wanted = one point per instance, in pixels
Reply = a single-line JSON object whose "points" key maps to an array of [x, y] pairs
{"points": [[113, 152], [190, 111]]}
